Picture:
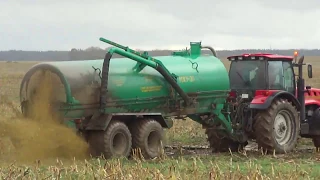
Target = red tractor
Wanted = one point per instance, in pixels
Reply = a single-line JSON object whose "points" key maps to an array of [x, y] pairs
{"points": [[270, 104]]}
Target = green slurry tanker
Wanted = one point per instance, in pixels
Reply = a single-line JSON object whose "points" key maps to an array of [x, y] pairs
{"points": [[119, 104]]}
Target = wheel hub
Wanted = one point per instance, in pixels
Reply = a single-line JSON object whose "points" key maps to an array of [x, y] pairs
{"points": [[282, 127], [119, 143], [153, 141]]}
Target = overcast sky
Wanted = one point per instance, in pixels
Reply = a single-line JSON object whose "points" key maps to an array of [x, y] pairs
{"points": [[149, 24]]}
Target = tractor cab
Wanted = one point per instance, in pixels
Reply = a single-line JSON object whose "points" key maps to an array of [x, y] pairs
{"points": [[250, 73]]}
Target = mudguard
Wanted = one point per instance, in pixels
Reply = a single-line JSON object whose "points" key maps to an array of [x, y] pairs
{"points": [[101, 121], [263, 102], [312, 102]]}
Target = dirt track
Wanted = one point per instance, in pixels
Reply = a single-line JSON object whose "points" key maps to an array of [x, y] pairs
{"points": [[205, 150]]}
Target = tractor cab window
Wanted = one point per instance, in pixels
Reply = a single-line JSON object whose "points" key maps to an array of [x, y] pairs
{"points": [[247, 74], [288, 77], [275, 75]]}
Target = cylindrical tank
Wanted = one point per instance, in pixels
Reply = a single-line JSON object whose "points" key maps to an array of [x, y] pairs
{"points": [[77, 86]]}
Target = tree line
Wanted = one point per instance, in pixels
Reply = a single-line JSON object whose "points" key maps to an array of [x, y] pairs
{"points": [[98, 53]]}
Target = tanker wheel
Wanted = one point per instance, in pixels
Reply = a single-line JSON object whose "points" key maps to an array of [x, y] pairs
{"points": [[115, 141], [147, 135], [219, 143], [277, 128]]}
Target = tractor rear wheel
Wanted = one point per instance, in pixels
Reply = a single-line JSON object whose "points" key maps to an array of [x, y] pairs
{"points": [[147, 135], [219, 143], [115, 141], [316, 142], [277, 128]]}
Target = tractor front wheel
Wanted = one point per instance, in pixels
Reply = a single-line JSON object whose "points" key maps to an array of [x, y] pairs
{"points": [[277, 128]]}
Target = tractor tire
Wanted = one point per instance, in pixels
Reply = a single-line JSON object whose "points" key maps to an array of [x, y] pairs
{"points": [[316, 142], [220, 143], [115, 141], [277, 128], [147, 135]]}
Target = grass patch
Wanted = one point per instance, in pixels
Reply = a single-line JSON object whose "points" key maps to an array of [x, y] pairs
{"points": [[222, 166]]}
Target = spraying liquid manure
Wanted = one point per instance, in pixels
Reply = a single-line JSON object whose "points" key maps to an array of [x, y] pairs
{"points": [[42, 136]]}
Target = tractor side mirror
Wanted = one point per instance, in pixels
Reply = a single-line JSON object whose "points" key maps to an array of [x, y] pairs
{"points": [[309, 70]]}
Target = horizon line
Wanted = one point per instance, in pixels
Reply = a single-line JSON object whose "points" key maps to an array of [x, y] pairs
{"points": [[166, 49]]}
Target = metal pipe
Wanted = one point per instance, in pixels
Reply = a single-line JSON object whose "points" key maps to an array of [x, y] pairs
{"points": [[174, 84], [301, 89], [133, 57], [157, 66], [126, 48], [104, 81], [211, 49]]}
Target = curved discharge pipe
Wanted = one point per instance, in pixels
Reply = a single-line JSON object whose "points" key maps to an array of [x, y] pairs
{"points": [[211, 49]]}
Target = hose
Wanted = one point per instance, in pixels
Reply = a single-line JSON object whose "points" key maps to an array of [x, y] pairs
{"points": [[160, 69]]}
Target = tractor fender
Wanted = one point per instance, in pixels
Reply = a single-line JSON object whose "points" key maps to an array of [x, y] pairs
{"points": [[310, 102], [264, 102]]}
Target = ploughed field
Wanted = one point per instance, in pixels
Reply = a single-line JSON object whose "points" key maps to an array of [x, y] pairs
{"points": [[50, 151]]}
